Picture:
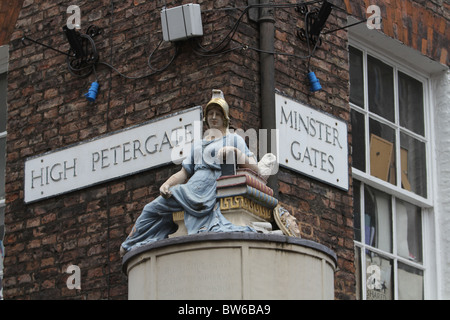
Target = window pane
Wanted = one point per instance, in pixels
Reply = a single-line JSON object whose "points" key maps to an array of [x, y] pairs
{"points": [[382, 151], [358, 141], [3, 85], [413, 165], [410, 283], [409, 231], [410, 93], [377, 219], [379, 279], [357, 210], [356, 77], [381, 88]]}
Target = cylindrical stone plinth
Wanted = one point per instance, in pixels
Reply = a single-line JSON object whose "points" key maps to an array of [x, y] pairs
{"points": [[231, 266]]}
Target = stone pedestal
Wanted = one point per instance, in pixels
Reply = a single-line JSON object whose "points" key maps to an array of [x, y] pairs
{"points": [[231, 266]]}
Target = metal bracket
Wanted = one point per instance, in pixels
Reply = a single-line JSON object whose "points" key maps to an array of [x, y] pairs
{"points": [[302, 8], [258, 12], [253, 13], [92, 32], [314, 22], [46, 46], [304, 33], [83, 45], [82, 55]]}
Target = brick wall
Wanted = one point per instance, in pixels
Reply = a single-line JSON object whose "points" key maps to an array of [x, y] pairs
{"points": [[46, 111], [421, 25]]}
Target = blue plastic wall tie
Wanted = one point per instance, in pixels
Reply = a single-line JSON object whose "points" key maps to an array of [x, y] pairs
{"points": [[92, 94], [314, 82]]}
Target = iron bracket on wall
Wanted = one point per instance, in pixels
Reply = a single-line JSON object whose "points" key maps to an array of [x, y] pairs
{"points": [[315, 20], [82, 53], [258, 12]]}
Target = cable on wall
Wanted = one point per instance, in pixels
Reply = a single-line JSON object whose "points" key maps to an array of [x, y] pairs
{"points": [[83, 58], [221, 47]]}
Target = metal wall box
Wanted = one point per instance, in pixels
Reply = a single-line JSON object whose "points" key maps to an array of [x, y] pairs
{"points": [[182, 22]]}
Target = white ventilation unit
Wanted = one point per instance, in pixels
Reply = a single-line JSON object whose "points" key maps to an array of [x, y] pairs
{"points": [[181, 23]]}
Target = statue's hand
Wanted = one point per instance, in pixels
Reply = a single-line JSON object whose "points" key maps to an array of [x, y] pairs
{"points": [[164, 191]]}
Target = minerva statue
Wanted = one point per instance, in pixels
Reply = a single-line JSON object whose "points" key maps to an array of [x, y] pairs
{"points": [[193, 188]]}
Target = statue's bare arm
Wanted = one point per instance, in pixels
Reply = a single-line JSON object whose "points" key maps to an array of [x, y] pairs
{"points": [[177, 178]]}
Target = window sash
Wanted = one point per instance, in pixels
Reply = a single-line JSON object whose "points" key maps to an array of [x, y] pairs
{"points": [[394, 256], [391, 255], [397, 190]]}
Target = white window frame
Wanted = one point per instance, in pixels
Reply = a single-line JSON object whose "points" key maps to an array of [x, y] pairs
{"points": [[428, 265]]}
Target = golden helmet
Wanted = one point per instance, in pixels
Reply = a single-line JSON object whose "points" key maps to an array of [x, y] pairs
{"points": [[219, 99]]}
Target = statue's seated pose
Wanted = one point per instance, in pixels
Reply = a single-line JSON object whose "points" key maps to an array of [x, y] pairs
{"points": [[197, 196]]}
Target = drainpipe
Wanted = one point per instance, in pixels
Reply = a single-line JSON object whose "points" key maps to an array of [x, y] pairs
{"points": [[267, 69]]}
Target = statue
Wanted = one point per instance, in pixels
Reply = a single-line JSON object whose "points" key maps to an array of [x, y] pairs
{"points": [[287, 223], [193, 188]]}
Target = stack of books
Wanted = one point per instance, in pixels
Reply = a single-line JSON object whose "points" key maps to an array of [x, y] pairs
{"points": [[244, 199], [248, 184]]}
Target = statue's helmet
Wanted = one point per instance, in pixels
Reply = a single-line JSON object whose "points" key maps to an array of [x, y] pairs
{"points": [[219, 100]]}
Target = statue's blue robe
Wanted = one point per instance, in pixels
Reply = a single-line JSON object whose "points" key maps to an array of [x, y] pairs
{"points": [[197, 198]]}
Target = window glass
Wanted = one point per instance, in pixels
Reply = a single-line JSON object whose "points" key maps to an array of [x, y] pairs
{"points": [[379, 277], [382, 151], [377, 219], [410, 283], [409, 231], [356, 77], [381, 88], [410, 97], [413, 165], [358, 141]]}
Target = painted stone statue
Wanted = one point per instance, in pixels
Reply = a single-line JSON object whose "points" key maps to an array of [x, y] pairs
{"points": [[193, 188]]}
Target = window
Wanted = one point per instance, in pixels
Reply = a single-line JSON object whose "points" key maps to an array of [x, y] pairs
{"points": [[390, 145]]}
